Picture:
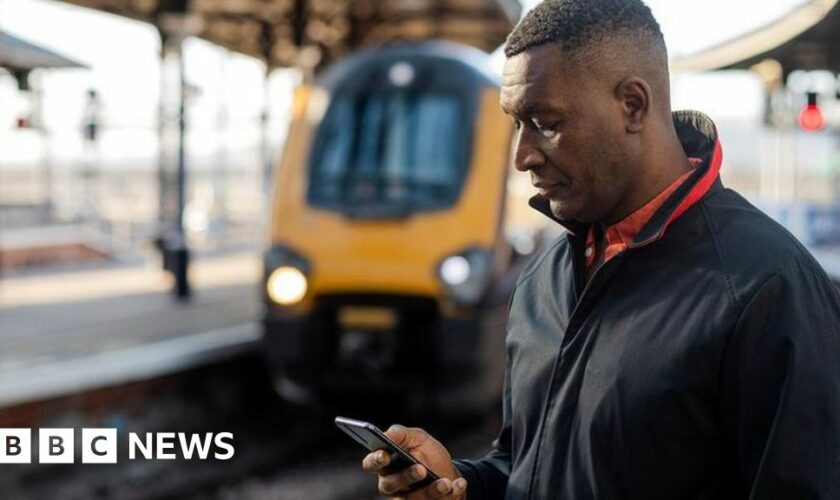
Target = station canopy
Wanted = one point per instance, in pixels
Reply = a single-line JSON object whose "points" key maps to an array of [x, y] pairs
{"points": [[311, 33], [20, 57], [17, 54], [807, 38]]}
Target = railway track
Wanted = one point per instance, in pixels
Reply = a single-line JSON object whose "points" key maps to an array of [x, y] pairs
{"points": [[280, 451]]}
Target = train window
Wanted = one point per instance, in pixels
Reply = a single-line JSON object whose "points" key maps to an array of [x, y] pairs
{"points": [[387, 148]]}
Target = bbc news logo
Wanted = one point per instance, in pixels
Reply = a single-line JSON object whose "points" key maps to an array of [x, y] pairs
{"points": [[99, 446]]}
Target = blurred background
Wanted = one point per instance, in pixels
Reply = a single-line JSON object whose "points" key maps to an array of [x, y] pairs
{"points": [[254, 215]]}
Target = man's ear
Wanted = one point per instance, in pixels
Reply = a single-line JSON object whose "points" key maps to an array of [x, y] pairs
{"points": [[634, 96]]}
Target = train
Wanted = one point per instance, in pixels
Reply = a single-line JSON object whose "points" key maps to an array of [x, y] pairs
{"points": [[397, 229]]}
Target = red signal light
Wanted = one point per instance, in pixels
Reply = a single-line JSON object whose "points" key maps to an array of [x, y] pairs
{"points": [[811, 118]]}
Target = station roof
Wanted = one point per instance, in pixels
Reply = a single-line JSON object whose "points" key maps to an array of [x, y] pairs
{"points": [[19, 56], [807, 38], [310, 33]]}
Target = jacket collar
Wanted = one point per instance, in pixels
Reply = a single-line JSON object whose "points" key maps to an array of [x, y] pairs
{"points": [[699, 138]]}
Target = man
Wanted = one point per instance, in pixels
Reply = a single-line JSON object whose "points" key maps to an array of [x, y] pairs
{"points": [[676, 343]]}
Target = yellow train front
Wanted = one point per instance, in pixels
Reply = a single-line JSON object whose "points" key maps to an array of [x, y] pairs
{"points": [[389, 264]]}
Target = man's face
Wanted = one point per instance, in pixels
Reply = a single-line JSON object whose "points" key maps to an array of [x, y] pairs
{"points": [[570, 134]]}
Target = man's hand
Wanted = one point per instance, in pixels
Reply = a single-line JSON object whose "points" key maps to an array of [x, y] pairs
{"points": [[425, 449]]}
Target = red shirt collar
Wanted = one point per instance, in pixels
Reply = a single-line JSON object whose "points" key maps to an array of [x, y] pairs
{"points": [[619, 235]]}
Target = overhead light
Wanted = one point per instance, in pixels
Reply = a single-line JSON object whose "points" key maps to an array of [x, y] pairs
{"points": [[401, 74]]}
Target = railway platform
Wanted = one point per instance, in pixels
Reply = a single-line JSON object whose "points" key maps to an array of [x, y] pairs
{"points": [[72, 331]]}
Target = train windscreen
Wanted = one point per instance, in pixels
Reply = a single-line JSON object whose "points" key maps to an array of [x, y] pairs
{"points": [[406, 150]]}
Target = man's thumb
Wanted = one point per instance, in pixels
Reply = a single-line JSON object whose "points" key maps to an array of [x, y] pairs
{"points": [[405, 437], [398, 434]]}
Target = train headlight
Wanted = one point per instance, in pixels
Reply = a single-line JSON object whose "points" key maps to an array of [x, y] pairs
{"points": [[286, 272], [466, 275], [286, 285], [455, 270]]}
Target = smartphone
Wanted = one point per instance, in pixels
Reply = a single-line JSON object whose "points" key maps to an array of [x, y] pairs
{"points": [[373, 439]]}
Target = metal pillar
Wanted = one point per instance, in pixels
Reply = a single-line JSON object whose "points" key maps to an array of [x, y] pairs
{"points": [[162, 157], [36, 96], [173, 243], [179, 246], [91, 167], [265, 130], [222, 169]]}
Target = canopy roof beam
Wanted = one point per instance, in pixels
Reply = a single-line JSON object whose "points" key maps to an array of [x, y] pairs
{"points": [[806, 38], [311, 33]]}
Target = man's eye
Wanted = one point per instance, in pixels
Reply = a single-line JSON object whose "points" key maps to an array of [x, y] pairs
{"points": [[549, 130]]}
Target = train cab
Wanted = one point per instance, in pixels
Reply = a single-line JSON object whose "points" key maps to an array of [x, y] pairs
{"points": [[393, 243]]}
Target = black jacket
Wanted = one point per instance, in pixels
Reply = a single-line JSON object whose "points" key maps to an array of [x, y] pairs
{"points": [[701, 363]]}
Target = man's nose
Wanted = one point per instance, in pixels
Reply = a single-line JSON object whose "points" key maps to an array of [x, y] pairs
{"points": [[527, 155]]}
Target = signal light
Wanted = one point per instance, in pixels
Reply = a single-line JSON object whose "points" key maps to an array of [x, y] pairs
{"points": [[811, 118]]}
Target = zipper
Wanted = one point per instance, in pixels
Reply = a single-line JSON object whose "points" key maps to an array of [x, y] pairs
{"points": [[549, 401]]}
